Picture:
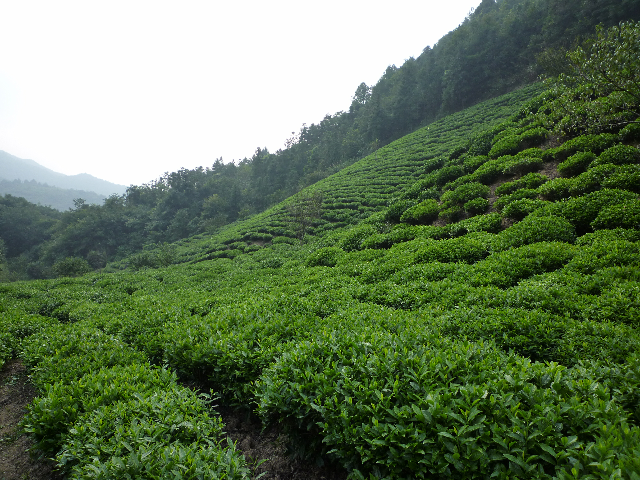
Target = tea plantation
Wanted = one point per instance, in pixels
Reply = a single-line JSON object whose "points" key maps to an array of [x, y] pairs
{"points": [[467, 305]]}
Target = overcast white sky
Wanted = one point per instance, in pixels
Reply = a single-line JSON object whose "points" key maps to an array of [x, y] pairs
{"points": [[128, 90]]}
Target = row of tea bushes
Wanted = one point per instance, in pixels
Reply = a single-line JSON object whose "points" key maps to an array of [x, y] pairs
{"points": [[105, 412]]}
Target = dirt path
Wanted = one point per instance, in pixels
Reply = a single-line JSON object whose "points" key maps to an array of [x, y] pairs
{"points": [[16, 392]]}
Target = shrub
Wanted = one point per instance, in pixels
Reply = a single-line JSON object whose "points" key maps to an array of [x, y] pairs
{"points": [[491, 223], [631, 132], [467, 249], [71, 267], [396, 209], [618, 155], [423, 213], [471, 164], [625, 177], [555, 189], [591, 143], [519, 209], [506, 268], [502, 202], [447, 174], [451, 214], [576, 164], [533, 230], [521, 165], [352, 239], [464, 193], [476, 206], [324, 257], [623, 215], [529, 181], [508, 145], [581, 211]]}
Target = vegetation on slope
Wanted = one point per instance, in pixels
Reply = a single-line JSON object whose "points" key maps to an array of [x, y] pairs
{"points": [[479, 321], [492, 52]]}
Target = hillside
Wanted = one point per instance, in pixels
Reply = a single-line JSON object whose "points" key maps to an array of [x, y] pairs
{"points": [[14, 168], [463, 303], [40, 193]]}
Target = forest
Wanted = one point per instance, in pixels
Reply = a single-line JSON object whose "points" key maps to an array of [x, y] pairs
{"points": [[462, 302], [501, 45]]}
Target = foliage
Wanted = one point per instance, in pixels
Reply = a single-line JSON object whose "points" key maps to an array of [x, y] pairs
{"points": [[599, 90]]}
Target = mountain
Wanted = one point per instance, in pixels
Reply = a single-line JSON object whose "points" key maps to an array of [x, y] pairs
{"points": [[43, 194], [14, 168]]}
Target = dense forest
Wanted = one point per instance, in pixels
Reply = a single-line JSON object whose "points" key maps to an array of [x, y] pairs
{"points": [[465, 304], [500, 46]]}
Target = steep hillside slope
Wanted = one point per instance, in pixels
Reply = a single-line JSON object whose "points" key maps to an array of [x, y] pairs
{"points": [[480, 321]]}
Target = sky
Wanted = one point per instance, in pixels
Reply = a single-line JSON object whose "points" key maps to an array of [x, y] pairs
{"points": [[129, 90]]}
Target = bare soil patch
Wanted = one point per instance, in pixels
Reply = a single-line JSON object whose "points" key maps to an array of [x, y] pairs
{"points": [[267, 451], [16, 392]]}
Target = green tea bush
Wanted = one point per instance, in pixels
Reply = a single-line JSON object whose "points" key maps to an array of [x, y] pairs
{"points": [[396, 209], [464, 193], [529, 181], [591, 180], [581, 211], [374, 402], [624, 177], [423, 213], [542, 336], [605, 235], [519, 209], [533, 230], [576, 164], [600, 255], [476, 206], [447, 174], [490, 171], [502, 202], [491, 223], [52, 415], [521, 165], [620, 304], [64, 353], [451, 214], [618, 155], [324, 257], [352, 239], [467, 249], [556, 189], [508, 145], [506, 268], [591, 143], [471, 164], [159, 434], [631, 132], [623, 215]]}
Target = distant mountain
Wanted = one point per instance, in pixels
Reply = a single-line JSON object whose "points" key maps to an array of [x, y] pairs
{"points": [[43, 194], [83, 185]]}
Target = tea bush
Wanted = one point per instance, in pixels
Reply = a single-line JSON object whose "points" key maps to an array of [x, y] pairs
{"points": [[476, 206], [576, 164], [529, 181], [622, 215], [423, 213], [519, 209], [618, 155]]}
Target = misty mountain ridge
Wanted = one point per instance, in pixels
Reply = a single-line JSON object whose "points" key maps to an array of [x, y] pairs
{"points": [[51, 187]]}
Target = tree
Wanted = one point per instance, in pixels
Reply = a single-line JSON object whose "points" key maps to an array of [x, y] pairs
{"points": [[600, 89], [303, 211]]}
